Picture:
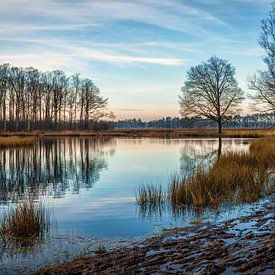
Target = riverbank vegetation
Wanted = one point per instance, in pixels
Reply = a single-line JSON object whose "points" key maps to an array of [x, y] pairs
{"points": [[154, 133], [15, 141], [26, 223], [234, 177]]}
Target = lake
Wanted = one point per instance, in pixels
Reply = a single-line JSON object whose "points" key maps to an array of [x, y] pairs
{"points": [[90, 184]]}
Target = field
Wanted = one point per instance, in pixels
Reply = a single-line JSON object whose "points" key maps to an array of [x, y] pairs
{"points": [[155, 133], [16, 141]]}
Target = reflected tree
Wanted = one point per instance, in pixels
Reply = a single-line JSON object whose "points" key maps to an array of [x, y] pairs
{"points": [[52, 167]]}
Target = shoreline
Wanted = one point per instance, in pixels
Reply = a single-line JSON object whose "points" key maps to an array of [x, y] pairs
{"points": [[245, 244], [153, 133]]}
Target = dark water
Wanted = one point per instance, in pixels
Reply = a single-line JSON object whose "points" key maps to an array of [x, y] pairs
{"points": [[91, 186]]}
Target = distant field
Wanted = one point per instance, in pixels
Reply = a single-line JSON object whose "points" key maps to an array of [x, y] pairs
{"points": [[15, 141], [161, 133]]}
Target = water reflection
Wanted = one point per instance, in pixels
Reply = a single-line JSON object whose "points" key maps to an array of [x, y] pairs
{"points": [[108, 211], [52, 167], [202, 152]]}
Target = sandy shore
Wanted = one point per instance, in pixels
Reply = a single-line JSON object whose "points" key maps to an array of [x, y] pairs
{"points": [[241, 246]]}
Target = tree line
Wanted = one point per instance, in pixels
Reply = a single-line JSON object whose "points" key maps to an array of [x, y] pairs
{"points": [[35, 100], [252, 120]]}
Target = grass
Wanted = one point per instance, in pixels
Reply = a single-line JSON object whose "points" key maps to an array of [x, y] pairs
{"points": [[26, 223], [14, 141], [150, 198], [150, 194], [234, 177], [155, 133]]}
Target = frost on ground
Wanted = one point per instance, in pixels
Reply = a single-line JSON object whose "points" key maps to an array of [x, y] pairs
{"points": [[241, 246]]}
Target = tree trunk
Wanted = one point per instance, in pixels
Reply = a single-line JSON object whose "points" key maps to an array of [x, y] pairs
{"points": [[220, 147], [220, 126]]}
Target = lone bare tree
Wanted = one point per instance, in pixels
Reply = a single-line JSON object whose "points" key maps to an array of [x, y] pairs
{"points": [[263, 83], [211, 91]]}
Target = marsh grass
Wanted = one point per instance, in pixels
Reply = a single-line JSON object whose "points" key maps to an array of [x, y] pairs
{"points": [[26, 224], [14, 141], [150, 194], [150, 199], [233, 178]]}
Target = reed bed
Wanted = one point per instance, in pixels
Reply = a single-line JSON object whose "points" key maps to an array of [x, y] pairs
{"points": [[234, 177], [26, 223], [14, 141]]}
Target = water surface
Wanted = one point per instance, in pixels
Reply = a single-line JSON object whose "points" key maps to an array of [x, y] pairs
{"points": [[91, 184]]}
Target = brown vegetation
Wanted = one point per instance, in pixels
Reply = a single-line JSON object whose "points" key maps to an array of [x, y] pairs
{"points": [[237, 177], [14, 141], [26, 223], [155, 133], [234, 177]]}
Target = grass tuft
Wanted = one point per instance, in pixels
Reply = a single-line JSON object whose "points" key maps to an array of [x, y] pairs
{"points": [[150, 194], [26, 223]]}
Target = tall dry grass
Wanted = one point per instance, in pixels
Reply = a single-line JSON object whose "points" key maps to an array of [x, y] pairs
{"points": [[150, 194], [234, 177], [26, 223], [14, 141]]}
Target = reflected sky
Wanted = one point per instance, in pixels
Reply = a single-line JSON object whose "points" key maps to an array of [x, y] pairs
{"points": [[91, 183]]}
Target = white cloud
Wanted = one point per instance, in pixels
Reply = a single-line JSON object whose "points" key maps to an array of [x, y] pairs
{"points": [[173, 15], [114, 58]]}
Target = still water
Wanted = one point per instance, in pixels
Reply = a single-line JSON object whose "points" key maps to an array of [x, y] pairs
{"points": [[91, 184]]}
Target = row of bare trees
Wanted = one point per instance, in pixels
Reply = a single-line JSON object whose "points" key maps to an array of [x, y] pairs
{"points": [[34, 100]]}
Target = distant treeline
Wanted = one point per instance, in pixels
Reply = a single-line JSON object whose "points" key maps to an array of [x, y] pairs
{"points": [[253, 120], [34, 100]]}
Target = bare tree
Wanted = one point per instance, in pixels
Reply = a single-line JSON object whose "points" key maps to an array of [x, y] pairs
{"points": [[211, 91], [263, 83], [4, 85]]}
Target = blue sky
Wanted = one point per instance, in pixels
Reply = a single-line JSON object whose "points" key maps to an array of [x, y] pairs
{"points": [[136, 51]]}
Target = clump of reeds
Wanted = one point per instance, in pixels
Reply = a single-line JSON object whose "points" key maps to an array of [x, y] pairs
{"points": [[150, 199], [26, 223], [150, 194], [14, 141]]}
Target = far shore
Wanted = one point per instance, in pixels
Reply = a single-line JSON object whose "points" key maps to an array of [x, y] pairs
{"points": [[151, 133]]}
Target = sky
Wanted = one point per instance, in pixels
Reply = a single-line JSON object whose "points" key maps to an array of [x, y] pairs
{"points": [[136, 51]]}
